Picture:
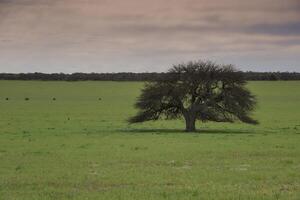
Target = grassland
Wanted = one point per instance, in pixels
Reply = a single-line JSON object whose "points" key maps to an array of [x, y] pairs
{"points": [[80, 147]]}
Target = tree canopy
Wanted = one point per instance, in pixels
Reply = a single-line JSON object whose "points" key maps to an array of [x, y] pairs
{"points": [[199, 90]]}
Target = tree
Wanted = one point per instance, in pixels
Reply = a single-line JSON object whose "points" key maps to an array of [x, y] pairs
{"points": [[197, 91]]}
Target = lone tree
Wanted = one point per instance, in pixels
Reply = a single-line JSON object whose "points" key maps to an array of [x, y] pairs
{"points": [[197, 91]]}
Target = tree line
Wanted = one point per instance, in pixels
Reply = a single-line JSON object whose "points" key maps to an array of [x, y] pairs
{"points": [[130, 76]]}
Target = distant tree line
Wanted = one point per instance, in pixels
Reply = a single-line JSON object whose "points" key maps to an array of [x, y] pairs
{"points": [[130, 76], [124, 76], [271, 76]]}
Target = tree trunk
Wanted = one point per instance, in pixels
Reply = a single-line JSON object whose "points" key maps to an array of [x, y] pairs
{"points": [[190, 121]]}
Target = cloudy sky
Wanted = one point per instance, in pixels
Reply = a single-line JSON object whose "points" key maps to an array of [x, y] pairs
{"points": [[147, 35]]}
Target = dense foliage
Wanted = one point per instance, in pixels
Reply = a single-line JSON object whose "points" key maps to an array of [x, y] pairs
{"points": [[197, 90], [128, 76]]}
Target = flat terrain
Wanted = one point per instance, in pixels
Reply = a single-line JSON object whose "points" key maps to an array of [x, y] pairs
{"points": [[80, 147]]}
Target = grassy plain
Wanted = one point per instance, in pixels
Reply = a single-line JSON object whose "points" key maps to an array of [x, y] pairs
{"points": [[80, 147]]}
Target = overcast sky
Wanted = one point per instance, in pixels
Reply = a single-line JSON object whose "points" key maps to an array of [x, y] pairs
{"points": [[147, 35]]}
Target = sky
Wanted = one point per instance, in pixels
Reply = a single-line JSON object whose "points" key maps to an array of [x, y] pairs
{"points": [[147, 35]]}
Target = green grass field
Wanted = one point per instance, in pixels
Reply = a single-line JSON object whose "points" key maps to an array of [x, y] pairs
{"points": [[80, 147]]}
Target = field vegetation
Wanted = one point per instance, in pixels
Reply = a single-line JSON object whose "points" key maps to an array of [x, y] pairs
{"points": [[71, 140]]}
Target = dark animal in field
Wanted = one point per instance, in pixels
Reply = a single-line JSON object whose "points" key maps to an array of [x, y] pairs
{"points": [[6, 99], [100, 99], [54, 99], [197, 91], [26, 99]]}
